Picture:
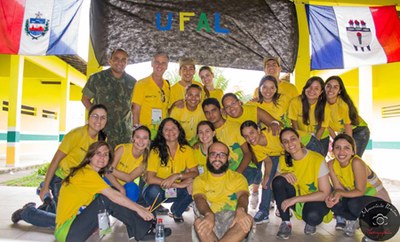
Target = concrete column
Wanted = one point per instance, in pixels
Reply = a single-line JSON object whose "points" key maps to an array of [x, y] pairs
{"points": [[14, 110]]}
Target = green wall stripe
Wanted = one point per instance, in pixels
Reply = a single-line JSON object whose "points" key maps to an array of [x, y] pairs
{"points": [[38, 137], [386, 145], [60, 137], [14, 136]]}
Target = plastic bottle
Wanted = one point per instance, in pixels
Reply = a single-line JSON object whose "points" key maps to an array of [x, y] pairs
{"points": [[160, 237]]}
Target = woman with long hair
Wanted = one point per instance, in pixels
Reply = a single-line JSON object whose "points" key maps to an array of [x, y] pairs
{"points": [[69, 154], [207, 136], [266, 149], [272, 101], [130, 163], [355, 184], [207, 78], [171, 169], [301, 184], [310, 116], [86, 200], [344, 115]]}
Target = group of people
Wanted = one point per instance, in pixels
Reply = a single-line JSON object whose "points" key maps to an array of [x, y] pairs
{"points": [[149, 142]]}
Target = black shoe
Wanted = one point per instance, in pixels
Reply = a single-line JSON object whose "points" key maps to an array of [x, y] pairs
{"points": [[162, 210], [151, 234], [16, 216]]}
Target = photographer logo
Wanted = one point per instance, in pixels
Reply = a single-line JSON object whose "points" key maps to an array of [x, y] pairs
{"points": [[379, 220]]}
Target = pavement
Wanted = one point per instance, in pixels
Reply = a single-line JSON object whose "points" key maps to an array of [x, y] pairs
{"points": [[13, 198]]}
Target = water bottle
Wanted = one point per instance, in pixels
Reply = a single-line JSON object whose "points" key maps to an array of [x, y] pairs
{"points": [[160, 231]]}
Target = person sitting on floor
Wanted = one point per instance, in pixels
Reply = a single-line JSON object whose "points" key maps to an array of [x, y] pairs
{"points": [[221, 197], [69, 154], [355, 184], [130, 162], [171, 169]]}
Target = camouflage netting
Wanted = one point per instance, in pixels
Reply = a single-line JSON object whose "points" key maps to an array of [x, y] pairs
{"points": [[256, 29]]}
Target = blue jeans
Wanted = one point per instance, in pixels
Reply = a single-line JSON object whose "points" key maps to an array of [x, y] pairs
{"points": [[315, 145], [361, 137], [253, 175], [266, 194], [132, 190], [39, 217], [325, 146], [180, 203]]}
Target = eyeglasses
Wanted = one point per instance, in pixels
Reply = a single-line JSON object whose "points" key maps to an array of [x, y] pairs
{"points": [[100, 154], [97, 117], [221, 155], [162, 95]]}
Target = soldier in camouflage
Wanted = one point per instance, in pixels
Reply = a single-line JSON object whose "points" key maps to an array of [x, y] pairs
{"points": [[113, 88]]}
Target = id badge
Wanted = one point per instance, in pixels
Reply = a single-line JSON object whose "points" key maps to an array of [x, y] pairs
{"points": [[201, 169], [104, 223], [170, 193], [156, 116]]}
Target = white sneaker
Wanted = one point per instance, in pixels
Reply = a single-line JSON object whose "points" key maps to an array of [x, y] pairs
{"points": [[350, 228], [254, 200]]}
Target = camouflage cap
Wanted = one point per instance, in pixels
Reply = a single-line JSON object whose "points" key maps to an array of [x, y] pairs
{"points": [[186, 61], [276, 59]]}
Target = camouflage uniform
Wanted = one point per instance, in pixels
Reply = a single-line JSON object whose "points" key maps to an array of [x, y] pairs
{"points": [[116, 95]]}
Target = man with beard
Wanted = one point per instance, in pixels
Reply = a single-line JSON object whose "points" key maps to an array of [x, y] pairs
{"points": [[221, 197]]}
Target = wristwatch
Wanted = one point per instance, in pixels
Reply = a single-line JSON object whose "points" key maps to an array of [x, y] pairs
{"points": [[110, 170]]}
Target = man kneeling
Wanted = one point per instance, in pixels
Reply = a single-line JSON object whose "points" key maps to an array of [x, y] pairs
{"points": [[221, 197]]}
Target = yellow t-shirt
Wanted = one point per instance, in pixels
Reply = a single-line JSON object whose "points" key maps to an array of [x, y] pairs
{"points": [[279, 111], [346, 177], [229, 134], [221, 192], [288, 89], [339, 114], [81, 191], [75, 145], [128, 162], [153, 102], [305, 131], [273, 147], [178, 92], [189, 120], [184, 159], [307, 171], [249, 113], [217, 93], [201, 158]]}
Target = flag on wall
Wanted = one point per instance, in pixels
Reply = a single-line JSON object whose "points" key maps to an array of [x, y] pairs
{"points": [[348, 37], [39, 27], [224, 33]]}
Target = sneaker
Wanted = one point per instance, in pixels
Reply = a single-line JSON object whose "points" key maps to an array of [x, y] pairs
{"points": [[285, 230], [151, 234], [350, 228], [162, 210], [254, 200], [260, 218], [16, 216], [366, 239], [310, 230], [340, 223]]}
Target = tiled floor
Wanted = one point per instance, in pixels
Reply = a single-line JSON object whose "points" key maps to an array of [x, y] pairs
{"points": [[12, 198]]}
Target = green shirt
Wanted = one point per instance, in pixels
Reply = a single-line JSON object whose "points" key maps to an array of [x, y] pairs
{"points": [[116, 95]]}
